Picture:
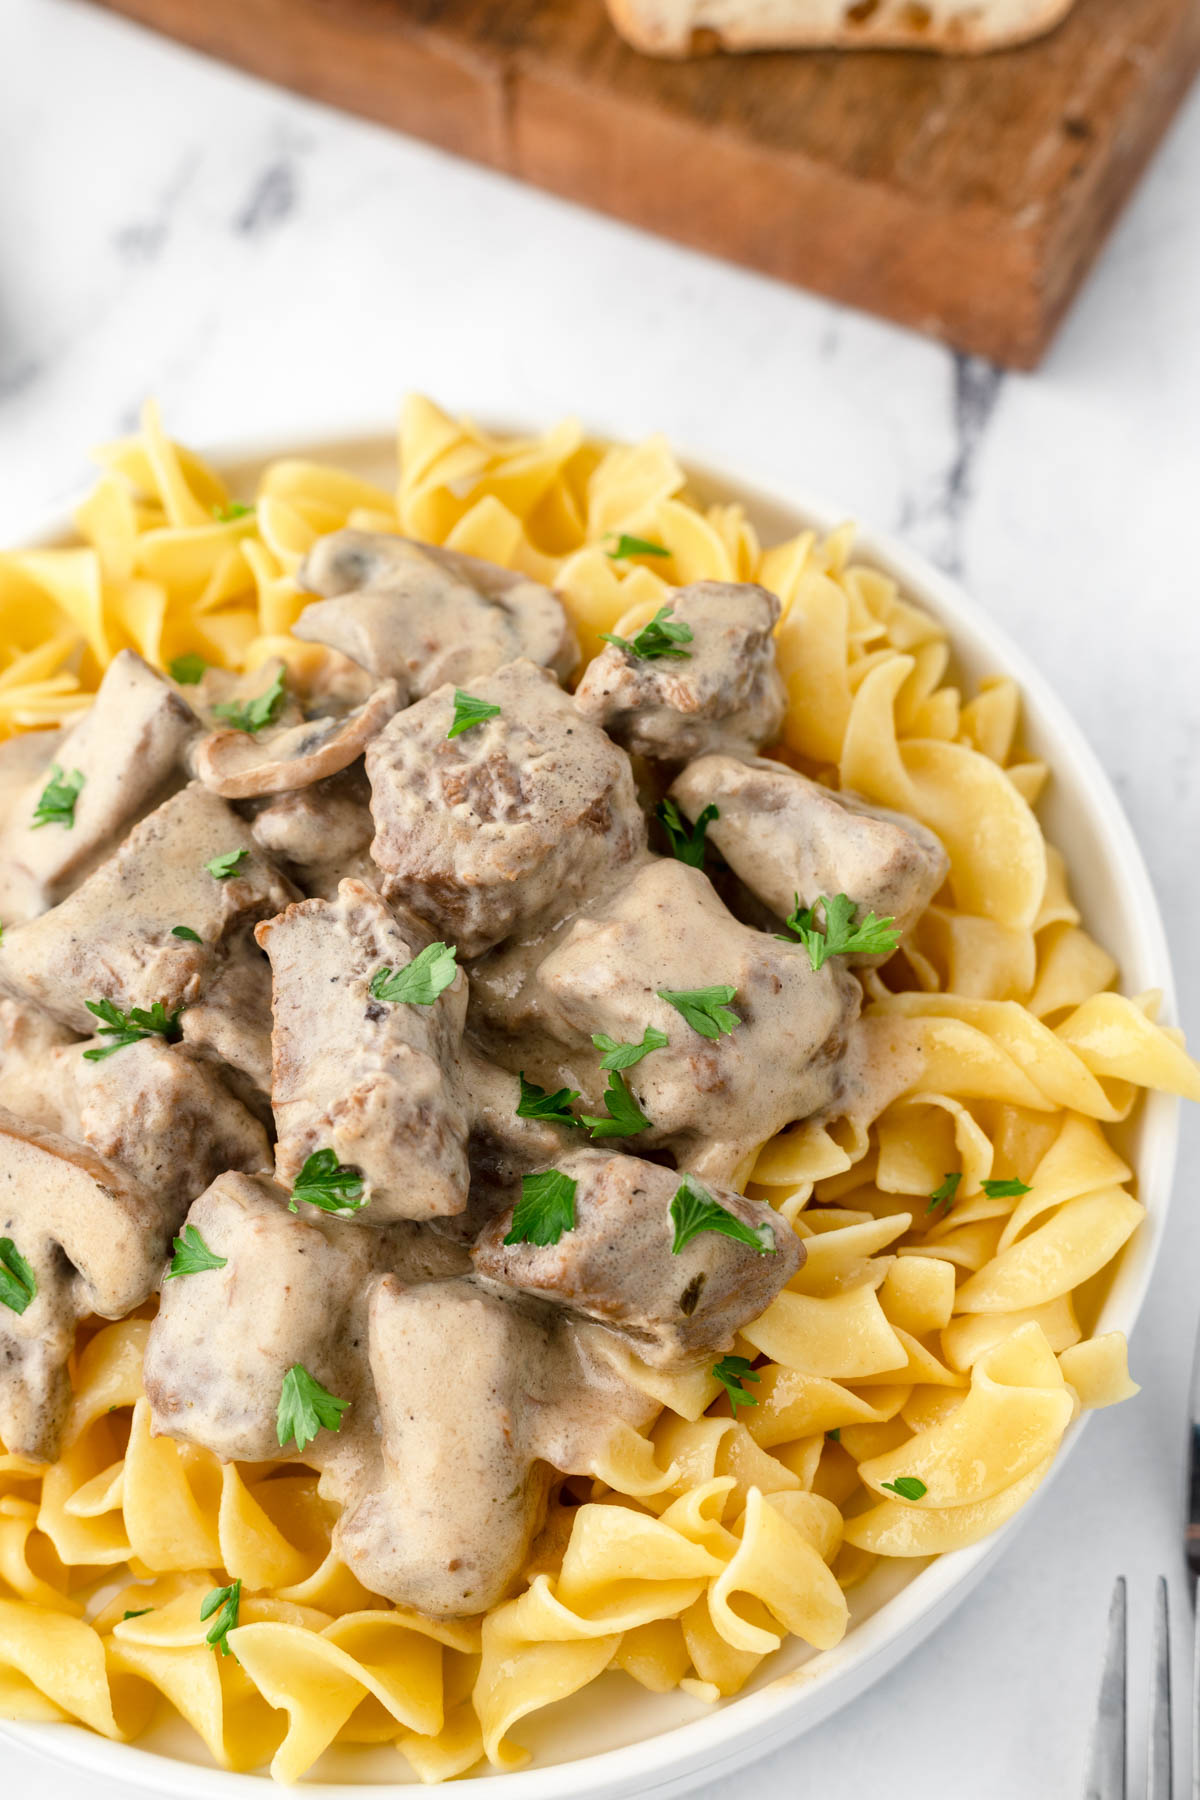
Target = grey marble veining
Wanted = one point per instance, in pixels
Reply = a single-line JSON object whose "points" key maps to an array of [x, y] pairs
{"points": [[264, 266]]}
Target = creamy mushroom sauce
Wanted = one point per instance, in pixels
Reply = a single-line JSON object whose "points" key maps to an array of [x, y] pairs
{"points": [[251, 868]]}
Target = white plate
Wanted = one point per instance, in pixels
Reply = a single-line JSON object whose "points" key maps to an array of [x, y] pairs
{"points": [[615, 1739]]}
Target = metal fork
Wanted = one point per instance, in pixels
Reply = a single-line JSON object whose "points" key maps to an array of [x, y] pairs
{"points": [[1106, 1778]]}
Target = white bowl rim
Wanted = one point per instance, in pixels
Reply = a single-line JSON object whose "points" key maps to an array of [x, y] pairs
{"points": [[739, 1730]]}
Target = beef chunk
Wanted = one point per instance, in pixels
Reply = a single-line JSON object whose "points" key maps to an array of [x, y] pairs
{"points": [[710, 1099], [503, 828], [128, 746], [113, 938], [423, 616], [373, 1080], [617, 1266], [786, 836], [726, 693]]}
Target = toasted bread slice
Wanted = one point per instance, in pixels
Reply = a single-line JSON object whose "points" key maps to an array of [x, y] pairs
{"points": [[691, 27]]}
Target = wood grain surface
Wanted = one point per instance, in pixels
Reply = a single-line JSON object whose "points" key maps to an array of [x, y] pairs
{"points": [[964, 197]]}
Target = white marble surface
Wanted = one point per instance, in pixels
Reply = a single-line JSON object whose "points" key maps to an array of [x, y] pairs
{"points": [[263, 265]]}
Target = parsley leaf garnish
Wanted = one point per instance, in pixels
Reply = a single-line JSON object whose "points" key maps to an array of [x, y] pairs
{"points": [[56, 805], [18, 1283], [623, 1056], [840, 936], [694, 1210], [469, 711], [706, 1010], [254, 715], [625, 1116], [304, 1406], [131, 1027], [329, 1184], [419, 982], [909, 1487], [732, 1372], [634, 546], [223, 866], [943, 1194], [687, 840], [139, 1614], [192, 1255], [188, 669], [545, 1210], [185, 931], [225, 1602], [536, 1103], [835, 1436], [236, 509], [1004, 1190], [663, 636]]}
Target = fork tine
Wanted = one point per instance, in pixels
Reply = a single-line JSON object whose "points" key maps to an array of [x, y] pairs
{"points": [[1158, 1765], [1106, 1763], [1196, 1704]]}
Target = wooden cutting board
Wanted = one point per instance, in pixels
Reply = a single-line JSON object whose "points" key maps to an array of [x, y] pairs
{"points": [[964, 197]]}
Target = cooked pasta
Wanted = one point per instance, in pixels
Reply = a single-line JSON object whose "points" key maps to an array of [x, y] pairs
{"points": [[911, 1384]]}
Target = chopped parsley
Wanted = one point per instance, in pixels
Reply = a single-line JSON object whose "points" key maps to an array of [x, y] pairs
{"points": [[18, 1283], [304, 1407], [325, 1182], [419, 982], [186, 932], [733, 1372], [139, 1614], [634, 546], [945, 1192], [835, 1436], [1004, 1190], [908, 1487], [56, 804], [223, 866], [536, 1103], [225, 1602], [545, 1210], [468, 711], [131, 1027], [687, 841], [254, 715], [694, 1210], [839, 935], [236, 509], [706, 1010], [192, 1255], [625, 1116], [623, 1056], [187, 669], [663, 636]]}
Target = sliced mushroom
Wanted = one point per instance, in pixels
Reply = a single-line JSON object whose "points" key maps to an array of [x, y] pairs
{"points": [[240, 764], [94, 1241]]}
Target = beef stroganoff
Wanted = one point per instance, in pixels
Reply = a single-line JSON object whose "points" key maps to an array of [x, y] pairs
{"points": [[554, 1098]]}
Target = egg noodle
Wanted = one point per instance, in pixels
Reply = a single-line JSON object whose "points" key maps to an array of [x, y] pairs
{"points": [[915, 1378]]}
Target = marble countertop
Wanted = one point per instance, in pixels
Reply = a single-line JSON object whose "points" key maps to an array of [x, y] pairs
{"points": [[263, 265]]}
